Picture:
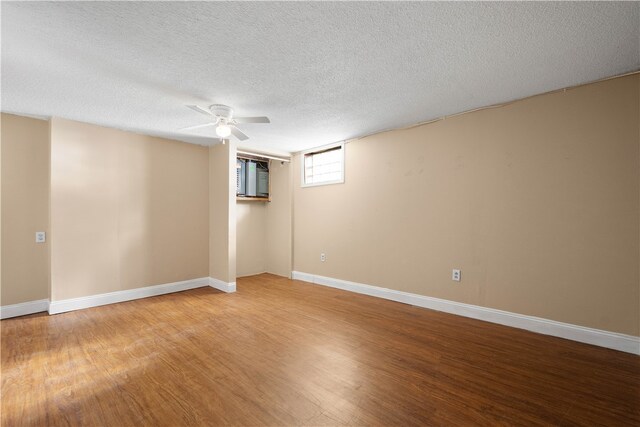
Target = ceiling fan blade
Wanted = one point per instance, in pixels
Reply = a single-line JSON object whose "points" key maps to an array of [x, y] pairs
{"points": [[197, 126], [200, 110], [252, 119], [238, 134]]}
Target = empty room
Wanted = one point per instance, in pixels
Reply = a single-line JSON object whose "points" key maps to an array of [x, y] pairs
{"points": [[320, 213]]}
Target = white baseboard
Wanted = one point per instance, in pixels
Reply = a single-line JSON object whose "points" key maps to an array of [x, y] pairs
{"points": [[222, 286], [62, 306], [621, 342], [24, 308]]}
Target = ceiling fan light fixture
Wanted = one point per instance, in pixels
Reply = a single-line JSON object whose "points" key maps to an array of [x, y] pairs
{"points": [[221, 116], [223, 130]]}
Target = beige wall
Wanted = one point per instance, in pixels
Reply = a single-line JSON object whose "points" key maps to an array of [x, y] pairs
{"points": [[222, 212], [25, 209], [264, 229], [127, 210], [251, 238], [279, 220], [536, 202]]}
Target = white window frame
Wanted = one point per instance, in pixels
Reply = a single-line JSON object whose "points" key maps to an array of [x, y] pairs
{"points": [[342, 146]]}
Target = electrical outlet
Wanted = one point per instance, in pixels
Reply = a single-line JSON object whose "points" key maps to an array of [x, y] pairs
{"points": [[455, 275], [323, 257], [40, 237]]}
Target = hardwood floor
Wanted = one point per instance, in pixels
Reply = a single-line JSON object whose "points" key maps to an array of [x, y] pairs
{"points": [[282, 352]]}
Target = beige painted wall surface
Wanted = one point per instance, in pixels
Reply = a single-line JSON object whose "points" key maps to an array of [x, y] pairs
{"points": [[264, 229], [222, 212], [536, 202], [279, 220], [25, 209], [127, 210], [251, 234]]}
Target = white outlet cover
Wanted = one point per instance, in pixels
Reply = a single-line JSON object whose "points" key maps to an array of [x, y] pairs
{"points": [[455, 275], [41, 237]]}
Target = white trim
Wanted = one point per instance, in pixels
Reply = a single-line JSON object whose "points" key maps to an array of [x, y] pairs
{"points": [[24, 308], [303, 184], [305, 277], [621, 342], [264, 156], [62, 306], [222, 286]]}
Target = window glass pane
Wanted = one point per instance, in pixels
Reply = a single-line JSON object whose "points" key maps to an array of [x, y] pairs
{"points": [[324, 166]]}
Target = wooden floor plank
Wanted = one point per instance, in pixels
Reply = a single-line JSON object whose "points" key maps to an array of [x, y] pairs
{"points": [[283, 352]]}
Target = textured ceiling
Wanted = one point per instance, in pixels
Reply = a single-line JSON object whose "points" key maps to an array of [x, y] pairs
{"points": [[323, 72]]}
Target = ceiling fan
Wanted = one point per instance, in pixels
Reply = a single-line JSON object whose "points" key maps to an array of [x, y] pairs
{"points": [[222, 117]]}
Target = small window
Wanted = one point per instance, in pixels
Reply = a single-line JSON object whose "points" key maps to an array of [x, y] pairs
{"points": [[323, 166]]}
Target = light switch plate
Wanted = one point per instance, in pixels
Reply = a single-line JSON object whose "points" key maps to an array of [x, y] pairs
{"points": [[41, 237]]}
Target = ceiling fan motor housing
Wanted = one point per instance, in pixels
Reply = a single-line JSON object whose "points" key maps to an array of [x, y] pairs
{"points": [[221, 111]]}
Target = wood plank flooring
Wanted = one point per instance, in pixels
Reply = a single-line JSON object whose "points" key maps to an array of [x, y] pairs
{"points": [[282, 352]]}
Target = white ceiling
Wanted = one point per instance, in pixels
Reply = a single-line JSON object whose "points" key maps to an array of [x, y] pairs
{"points": [[323, 72]]}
